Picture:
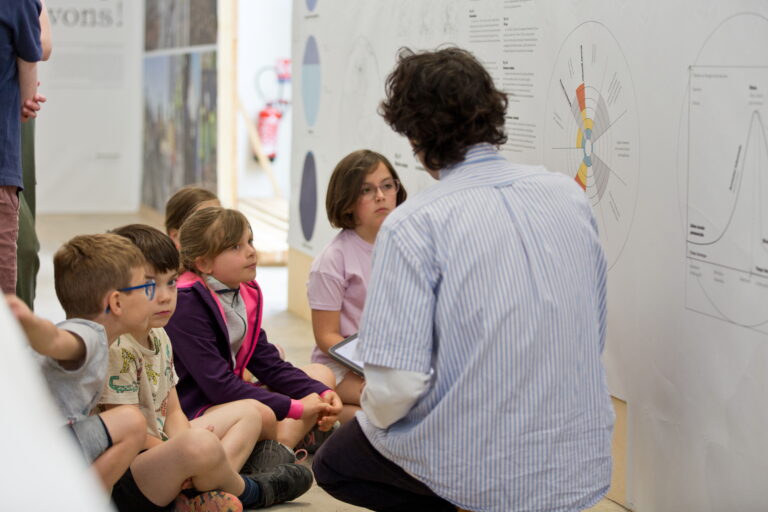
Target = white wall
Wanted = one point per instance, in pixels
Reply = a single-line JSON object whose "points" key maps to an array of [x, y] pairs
{"points": [[264, 35], [89, 132], [685, 85]]}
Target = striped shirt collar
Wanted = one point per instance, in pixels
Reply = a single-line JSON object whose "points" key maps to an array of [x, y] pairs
{"points": [[475, 154]]}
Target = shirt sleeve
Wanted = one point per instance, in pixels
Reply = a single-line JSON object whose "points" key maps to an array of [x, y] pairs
{"points": [[26, 37], [325, 292], [122, 384], [397, 323], [280, 376], [90, 340], [325, 288], [389, 394]]}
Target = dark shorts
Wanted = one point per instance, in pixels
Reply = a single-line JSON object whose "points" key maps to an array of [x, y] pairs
{"points": [[128, 498]]}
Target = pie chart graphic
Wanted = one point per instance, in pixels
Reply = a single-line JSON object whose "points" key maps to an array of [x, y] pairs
{"points": [[311, 81], [591, 131], [308, 197]]}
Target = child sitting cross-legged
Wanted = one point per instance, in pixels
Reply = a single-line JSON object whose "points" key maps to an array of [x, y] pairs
{"points": [[101, 285], [217, 335], [206, 453]]}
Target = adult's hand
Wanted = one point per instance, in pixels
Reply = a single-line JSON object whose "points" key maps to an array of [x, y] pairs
{"points": [[31, 106]]}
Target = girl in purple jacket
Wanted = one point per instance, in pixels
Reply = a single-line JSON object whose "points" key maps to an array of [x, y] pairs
{"points": [[216, 335]]}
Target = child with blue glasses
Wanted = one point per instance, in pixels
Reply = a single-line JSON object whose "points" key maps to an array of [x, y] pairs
{"points": [[102, 286]]}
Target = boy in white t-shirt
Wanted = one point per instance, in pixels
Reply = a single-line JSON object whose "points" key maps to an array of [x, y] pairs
{"points": [[205, 453]]}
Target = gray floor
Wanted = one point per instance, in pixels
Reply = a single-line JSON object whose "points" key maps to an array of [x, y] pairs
{"points": [[293, 333]]}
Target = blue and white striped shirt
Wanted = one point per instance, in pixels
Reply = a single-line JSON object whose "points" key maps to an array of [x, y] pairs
{"points": [[494, 278]]}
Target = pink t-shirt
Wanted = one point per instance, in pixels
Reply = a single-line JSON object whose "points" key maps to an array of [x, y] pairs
{"points": [[338, 281]]}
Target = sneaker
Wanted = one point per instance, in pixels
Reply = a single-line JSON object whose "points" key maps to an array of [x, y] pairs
{"points": [[282, 483], [266, 455], [315, 438], [210, 501]]}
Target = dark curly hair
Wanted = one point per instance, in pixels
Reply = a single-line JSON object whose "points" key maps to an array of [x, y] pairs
{"points": [[443, 101]]}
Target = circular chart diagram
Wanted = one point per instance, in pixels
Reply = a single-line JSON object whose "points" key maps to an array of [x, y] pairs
{"points": [[311, 81], [591, 129], [308, 197], [362, 90]]}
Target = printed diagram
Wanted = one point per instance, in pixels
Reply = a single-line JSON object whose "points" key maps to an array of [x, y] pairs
{"points": [[361, 91], [727, 224], [311, 81], [308, 197], [727, 180], [591, 130]]}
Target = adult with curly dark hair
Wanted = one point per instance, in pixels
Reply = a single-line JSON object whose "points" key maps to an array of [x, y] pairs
{"points": [[484, 322]]}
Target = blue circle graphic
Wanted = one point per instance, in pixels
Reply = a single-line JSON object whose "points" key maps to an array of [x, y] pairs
{"points": [[311, 81], [308, 197]]}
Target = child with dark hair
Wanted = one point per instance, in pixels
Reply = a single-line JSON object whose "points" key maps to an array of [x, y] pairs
{"points": [[364, 188], [206, 452], [186, 201]]}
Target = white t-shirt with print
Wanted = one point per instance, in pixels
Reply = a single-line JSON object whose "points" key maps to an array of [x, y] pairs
{"points": [[143, 376]]}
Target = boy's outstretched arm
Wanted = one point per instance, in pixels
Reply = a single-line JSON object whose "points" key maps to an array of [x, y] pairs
{"points": [[44, 337]]}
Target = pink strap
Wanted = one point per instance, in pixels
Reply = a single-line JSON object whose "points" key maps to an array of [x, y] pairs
{"points": [[296, 410], [251, 296]]}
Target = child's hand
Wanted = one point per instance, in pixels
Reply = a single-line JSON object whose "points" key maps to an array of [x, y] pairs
{"points": [[313, 405], [19, 309], [326, 421]]}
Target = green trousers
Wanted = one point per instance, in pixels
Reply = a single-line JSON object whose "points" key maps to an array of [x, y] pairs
{"points": [[28, 262]]}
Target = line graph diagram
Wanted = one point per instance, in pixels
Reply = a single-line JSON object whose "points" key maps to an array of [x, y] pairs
{"points": [[727, 215], [726, 175]]}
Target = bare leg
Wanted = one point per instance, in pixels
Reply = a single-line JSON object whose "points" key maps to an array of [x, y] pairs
{"points": [[237, 425], [128, 429], [349, 390], [289, 431], [348, 413], [197, 454]]}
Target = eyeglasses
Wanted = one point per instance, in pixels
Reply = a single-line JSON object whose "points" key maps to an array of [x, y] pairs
{"points": [[387, 187], [149, 289]]}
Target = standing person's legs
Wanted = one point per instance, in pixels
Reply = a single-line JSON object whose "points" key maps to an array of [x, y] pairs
{"points": [[350, 469], [28, 243], [28, 262], [9, 228]]}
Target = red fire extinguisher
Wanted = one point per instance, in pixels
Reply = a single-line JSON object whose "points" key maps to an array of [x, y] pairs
{"points": [[267, 126], [269, 117]]}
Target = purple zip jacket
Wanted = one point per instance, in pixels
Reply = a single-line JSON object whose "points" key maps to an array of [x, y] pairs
{"points": [[203, 357]]}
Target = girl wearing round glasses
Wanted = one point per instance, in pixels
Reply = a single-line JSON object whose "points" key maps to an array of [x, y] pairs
{"points": [[364, 188]]}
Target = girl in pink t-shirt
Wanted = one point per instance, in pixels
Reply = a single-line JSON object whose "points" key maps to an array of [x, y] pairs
{"points": [[363, 189]]}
